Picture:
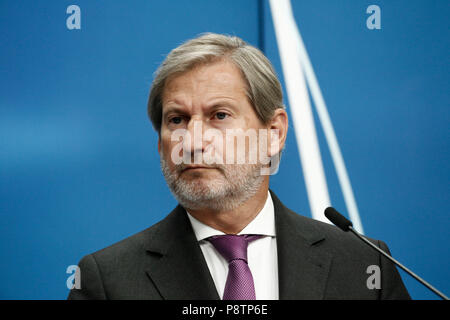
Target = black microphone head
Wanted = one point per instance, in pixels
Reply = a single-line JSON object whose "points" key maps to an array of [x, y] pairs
{"points": [[338, 219]]}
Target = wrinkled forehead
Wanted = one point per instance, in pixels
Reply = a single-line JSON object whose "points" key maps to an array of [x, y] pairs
{"points": [[211, 78]]}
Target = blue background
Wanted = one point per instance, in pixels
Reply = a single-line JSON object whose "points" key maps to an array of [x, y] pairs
{"points": [[79, 168]]}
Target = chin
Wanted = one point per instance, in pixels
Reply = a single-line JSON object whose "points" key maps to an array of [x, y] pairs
{"points": [[203, 186]]}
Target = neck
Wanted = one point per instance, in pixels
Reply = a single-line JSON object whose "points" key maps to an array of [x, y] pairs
{"points": [[234, 221]]}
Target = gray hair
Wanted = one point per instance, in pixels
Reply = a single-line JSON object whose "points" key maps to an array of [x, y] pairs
{"points": [[263, 88]]}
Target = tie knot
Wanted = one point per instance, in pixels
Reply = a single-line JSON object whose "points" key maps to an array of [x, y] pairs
{"points": [[231, 246]]}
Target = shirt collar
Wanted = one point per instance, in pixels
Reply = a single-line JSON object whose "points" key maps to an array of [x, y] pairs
{"points": [[263, 223]]}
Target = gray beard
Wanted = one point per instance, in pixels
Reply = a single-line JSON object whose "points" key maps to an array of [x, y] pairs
{"points": [[239, 183]]}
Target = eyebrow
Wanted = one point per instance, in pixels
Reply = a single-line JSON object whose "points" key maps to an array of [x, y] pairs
{"points": [[216, 103], [222, 102], [173, 108]]}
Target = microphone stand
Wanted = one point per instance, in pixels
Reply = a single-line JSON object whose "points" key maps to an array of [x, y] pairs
{"points": [[426, 284]]}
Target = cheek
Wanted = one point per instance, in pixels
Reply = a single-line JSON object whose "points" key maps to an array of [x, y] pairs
{"points": [[166, 146]]}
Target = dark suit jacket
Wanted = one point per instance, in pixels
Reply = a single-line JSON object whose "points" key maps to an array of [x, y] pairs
{"points": [[315, 261]]}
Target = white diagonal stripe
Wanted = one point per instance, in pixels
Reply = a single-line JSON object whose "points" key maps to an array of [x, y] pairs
{"points": [[282, 14], [301, 111], [330, 135]]}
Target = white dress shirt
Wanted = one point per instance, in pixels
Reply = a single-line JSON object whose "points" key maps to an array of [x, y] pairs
{"points": [[261, 253]]}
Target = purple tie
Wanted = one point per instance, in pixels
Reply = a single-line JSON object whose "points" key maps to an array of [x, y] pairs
{"points": [[233, 248]]}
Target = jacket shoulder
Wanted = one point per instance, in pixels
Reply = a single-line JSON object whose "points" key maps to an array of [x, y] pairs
{"points": [[132, 245], [315, 230]]}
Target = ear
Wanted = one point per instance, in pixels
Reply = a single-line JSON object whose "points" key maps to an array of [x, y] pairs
{"points": [[277, 138]]}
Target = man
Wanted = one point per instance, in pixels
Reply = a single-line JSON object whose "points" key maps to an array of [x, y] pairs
{"points": [[230, 237]]}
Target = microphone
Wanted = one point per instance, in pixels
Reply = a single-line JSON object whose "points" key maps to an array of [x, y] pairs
{"points": [[346, 225]]}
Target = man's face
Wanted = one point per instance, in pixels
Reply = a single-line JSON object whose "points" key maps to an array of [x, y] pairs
{"points": [[200, 108]]}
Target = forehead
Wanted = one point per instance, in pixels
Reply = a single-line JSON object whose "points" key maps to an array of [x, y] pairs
{"points": [[211, 79]]}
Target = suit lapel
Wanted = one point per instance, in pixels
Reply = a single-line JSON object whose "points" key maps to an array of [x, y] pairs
{"points": [[178, 270], [176, 264], [302, 266]]}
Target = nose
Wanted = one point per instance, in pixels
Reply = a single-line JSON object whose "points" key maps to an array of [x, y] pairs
{"points": [[193, 144]]}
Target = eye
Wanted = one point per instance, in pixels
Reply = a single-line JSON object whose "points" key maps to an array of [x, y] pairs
{"points": [[175, 120], [221, 115]]}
